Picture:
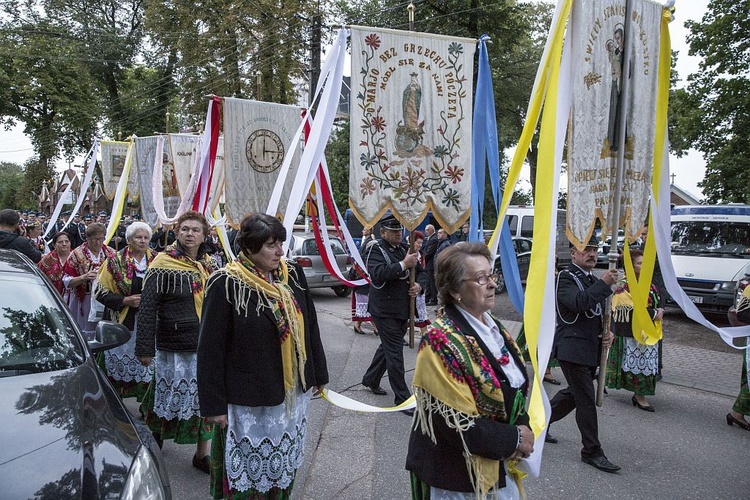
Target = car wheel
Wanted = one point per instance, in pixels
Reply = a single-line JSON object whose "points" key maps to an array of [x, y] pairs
{"points": [[342, 291], [499, 283]]}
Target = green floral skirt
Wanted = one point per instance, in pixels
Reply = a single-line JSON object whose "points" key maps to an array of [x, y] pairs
{"points": [[189, 431], [742, 404], [620, 377]]}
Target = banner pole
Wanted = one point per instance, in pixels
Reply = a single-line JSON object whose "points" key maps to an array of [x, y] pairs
{"points": [[613, 255], [412, 300]]}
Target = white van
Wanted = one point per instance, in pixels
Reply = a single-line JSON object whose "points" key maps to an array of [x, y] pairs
{"points": [[710, 252], [521, 222]]}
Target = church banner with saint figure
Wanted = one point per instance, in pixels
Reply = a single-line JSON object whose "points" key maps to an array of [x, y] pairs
{"points": [[113, 163], [411, 125], [597, 37]]}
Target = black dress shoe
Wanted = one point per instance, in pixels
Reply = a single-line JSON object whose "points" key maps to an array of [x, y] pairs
{"points": [[549, 438], [648, 408], [202, 464], [376, 390], [600, 463]]}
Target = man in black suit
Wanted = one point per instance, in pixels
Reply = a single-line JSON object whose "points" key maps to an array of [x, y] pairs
{"points": [[578, 342], [430, 247], [388, 263]]}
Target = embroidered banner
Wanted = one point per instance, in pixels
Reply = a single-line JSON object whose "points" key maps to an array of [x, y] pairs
{"points": [[597, 37], [145, 151], [257, 137], [410, 126], [182, 153], [113, 163]]}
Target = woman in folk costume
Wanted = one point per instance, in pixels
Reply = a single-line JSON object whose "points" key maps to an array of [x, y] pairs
{"points": [[739, 316], [168, 324], [53, 263], [360, 296], [119, 286], [471, 427], [422, 319], [80, 271], [633, 365], [259, 355]]}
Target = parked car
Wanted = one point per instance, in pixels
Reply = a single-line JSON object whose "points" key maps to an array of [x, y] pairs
{"points": [[522, 247], [304, 250], [65, 432]]}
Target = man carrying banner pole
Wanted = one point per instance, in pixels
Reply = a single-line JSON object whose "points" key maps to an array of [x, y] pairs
{"points": [[613, 255]]}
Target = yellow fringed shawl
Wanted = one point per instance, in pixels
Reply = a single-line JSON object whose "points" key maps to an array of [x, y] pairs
{"points": [[242, 283], [450, 368]]}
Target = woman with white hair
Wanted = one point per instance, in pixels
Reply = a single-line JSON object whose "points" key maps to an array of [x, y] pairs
{"points": [[120, 281]]}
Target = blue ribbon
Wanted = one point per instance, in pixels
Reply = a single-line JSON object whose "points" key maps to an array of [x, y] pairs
{"points": [[485, 151]]}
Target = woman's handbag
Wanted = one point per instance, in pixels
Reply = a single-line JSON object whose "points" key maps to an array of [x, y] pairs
{"points": [[96, 313]]}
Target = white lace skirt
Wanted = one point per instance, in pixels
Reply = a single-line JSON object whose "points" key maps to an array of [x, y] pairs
{"points": [[122, 364], [640, 359], [265, 445], [176, 389]]}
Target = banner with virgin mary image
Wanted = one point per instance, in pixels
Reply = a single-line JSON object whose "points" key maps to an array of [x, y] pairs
{"points": [[411, 119], [113, 154], [597, 37]]}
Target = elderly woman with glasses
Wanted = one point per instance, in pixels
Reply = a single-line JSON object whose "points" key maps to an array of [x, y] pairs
{"points": [[80, 271], [471, 427]]}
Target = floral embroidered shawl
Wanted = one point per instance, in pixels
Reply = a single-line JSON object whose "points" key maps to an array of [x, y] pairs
{"points": [[51, 266], [454, 379], [116, 275], [79, 263]]}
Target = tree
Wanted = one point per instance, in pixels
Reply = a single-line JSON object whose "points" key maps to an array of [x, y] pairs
{"points": [[35, 173], [11, 179], [713, 113]]}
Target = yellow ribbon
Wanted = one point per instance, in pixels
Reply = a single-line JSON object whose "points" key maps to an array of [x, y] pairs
{"points": [[347, 403]]}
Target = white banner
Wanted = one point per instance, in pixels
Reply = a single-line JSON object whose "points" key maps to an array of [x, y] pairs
{"points": [[410, 126], [145, 150], [257, 137], [113, 163], [182, 153], [597, 38]]}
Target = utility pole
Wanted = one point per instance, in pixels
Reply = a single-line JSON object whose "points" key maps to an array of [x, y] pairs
{"points": [[314, 55]]}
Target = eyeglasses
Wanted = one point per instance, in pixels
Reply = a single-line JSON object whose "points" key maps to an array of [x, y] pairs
{"points": [[483, 279]]}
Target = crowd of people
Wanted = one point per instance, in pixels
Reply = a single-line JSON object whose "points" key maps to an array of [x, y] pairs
{"points": [[226, 355]]}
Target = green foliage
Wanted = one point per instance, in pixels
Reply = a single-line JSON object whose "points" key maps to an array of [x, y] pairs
{"points": [[35, 173], [713, 113], [11, 179], [337, 158]]}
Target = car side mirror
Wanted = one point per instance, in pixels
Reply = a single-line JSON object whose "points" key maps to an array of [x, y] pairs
{"points": [[108, 336]]}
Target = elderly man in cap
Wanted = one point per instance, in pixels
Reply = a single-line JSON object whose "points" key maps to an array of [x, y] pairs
{"points": [[388, 263], [578, 341]]}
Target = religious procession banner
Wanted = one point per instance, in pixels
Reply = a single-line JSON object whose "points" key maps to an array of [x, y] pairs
{"points": [[182, 154], [597, 37], [113, 162], [257, 137], [145, 151], [411, 126]]}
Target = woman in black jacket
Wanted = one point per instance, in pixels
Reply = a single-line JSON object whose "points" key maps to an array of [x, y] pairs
{"points": [[167, 333], [470, 384], [258, 356]]}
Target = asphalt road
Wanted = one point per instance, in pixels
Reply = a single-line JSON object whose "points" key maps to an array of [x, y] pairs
{"points": [[684, 450]]}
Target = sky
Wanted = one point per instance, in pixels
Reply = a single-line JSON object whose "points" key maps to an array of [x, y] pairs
{"points": [[15, 147]]}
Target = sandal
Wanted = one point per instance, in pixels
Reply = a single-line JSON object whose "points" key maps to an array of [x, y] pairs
{"points": [[358, 330], [551, 380]]}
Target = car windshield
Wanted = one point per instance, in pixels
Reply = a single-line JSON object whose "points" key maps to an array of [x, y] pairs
{"points": [[310, 247], [35, 335], [707, 237]]}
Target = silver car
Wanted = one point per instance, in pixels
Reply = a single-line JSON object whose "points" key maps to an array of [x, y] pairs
{"points": [[304, 250]]}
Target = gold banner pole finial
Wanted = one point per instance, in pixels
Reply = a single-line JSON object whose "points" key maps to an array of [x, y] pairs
{"points": [[411, 8]]}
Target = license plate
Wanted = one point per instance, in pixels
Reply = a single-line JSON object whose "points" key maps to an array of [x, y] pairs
{"points": [[696, 299], [328, 277]]}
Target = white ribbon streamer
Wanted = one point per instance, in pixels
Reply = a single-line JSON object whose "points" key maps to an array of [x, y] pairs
{"points": [[352, 404]]}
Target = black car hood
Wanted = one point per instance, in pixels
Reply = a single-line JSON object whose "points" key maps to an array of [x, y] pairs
{"points": [[65, 435]]}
